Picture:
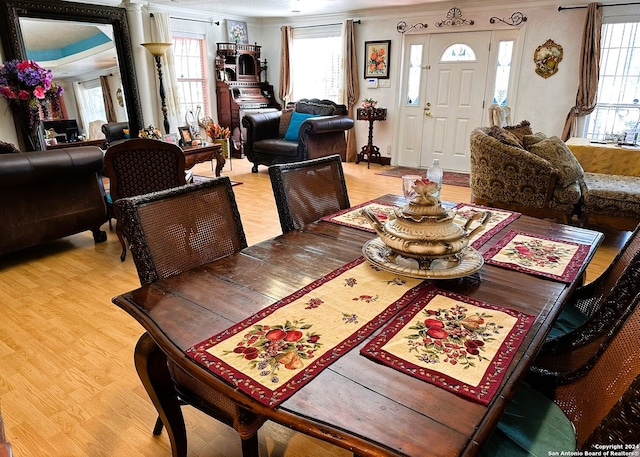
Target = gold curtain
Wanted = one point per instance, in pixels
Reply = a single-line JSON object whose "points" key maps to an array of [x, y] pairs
{"points": [[350, 91], [285, 66], [589, 71], [108, 101]]}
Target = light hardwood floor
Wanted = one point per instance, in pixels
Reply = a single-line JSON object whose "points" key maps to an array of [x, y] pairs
{"points": [[68, 386]]}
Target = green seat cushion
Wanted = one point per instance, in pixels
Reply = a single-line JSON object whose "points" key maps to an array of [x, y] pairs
{"points": [[570, 318], [532, 425]]}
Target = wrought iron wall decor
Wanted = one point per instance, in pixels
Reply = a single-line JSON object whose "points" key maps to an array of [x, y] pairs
{"points": [[517, 18], [454, 18], [402, 26]]}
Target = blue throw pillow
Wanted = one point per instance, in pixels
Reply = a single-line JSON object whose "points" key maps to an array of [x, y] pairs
{"points": [[294, 125]]}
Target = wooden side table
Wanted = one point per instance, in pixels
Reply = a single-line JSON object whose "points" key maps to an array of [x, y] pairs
{"points": [[199, 154], [370, 114]]}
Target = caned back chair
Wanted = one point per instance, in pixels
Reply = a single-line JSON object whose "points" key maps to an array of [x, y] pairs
{"points": [[586, 302], [140, 166], [308, 190], [5, 446], [169, 232], [592, 377]]}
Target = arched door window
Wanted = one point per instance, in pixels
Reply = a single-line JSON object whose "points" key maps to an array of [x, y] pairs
{"points": [[458, 52]]}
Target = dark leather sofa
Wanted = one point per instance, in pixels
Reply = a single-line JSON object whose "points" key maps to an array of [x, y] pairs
{"points": [[318, 136], [46, 195]]}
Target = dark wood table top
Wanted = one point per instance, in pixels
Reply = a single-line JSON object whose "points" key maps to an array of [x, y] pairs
{"points": [[355, 403], [200, 154]]}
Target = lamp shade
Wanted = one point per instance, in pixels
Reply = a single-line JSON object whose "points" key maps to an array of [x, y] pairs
{"points": [[156, 49]]}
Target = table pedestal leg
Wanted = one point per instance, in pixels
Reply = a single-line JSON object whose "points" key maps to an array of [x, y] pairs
{"points": [[369, 150]]}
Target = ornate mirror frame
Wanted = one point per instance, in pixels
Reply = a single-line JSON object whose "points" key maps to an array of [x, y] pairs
{"points": [[13, 45]]}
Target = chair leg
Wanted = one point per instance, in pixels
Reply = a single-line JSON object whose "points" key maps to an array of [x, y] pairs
{"points": [[123, 255], [151, 365]]}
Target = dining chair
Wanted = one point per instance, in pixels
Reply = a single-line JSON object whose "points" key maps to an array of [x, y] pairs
{"points": [[169, 232], [308, 190], [499, 115], [583, 391], [586, 302], [140, 166], [5, 446]]}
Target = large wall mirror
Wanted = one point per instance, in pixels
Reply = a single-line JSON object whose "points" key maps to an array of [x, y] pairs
{"points": [[102, 30]]}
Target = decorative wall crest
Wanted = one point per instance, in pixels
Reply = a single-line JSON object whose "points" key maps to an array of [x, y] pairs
{"points": [[454, 18], [403, 27], [547, 57], [516, 18]]}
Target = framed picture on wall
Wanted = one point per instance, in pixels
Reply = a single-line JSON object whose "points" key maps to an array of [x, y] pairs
{"points": [[237, 32], [376, 59]]}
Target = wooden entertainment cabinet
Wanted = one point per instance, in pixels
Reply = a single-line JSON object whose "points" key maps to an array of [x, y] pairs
{"points": [[239, 88]]}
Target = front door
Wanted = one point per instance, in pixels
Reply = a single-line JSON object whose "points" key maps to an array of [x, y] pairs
{"points": [[443, 94]]}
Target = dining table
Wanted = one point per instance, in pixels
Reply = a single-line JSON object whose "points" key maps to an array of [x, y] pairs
{"points": [[354, 400]]}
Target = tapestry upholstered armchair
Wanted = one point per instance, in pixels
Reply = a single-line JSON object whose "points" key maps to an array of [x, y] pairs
{"points": [[313, 128]]}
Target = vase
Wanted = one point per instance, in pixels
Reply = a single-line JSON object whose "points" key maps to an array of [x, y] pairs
{"points": [[224, 142]]}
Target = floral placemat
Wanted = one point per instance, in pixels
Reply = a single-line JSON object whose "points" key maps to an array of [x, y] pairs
{"points": [[352, 217], [544, 256], [498, 220], [452, 341], [276, 351]]}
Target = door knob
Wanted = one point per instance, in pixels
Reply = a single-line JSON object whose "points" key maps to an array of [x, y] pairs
{"points": [[427, 110]]}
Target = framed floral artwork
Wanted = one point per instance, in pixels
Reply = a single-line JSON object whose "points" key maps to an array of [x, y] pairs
{"points": [[376, 59], [237, 32]]}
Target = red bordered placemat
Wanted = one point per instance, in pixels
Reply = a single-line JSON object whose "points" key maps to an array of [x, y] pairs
{"points": [[538, 255], [499, 219], [352, 217], [452, 341]]}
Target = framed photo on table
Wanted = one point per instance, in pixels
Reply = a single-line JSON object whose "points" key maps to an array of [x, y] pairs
{"points": [[185, 135], [376, 59]]}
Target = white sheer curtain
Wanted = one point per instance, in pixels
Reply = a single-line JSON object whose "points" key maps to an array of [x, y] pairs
{"points": [[78, 92], [161, 33]]}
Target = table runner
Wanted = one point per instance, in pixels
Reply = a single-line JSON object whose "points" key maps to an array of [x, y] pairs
{"points": [[455, 342], [276, 351], [538, 255], [500, 218]]}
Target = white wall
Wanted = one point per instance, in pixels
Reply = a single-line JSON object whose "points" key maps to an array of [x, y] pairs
{"points": [[544, 102]]}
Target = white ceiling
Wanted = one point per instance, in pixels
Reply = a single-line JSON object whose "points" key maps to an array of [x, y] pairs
{"points": [[285, 8]]}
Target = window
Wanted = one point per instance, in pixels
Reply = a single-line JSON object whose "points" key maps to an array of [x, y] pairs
{"points": [[93, 102], [317, 63], [503, 71], [617, 110], [415, 71], [458, 53], [191, 71]]}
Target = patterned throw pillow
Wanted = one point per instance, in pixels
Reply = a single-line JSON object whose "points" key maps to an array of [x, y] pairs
{"points": [[520, 130], [530, 140], [7, 148], [504, 136], [285, 118], [556, 151], [318, 109]]}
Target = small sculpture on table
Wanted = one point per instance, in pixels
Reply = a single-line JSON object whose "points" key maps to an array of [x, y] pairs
{"points": [[370, 113]]}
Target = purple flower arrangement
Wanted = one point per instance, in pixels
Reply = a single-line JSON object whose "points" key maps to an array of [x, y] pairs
{"points": [[29, 87]]}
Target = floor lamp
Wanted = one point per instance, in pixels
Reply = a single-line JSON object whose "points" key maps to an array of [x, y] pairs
{"points": [[157, 50]]}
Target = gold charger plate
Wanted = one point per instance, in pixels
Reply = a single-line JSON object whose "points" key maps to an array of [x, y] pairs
{"points": [[379, 254]]}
